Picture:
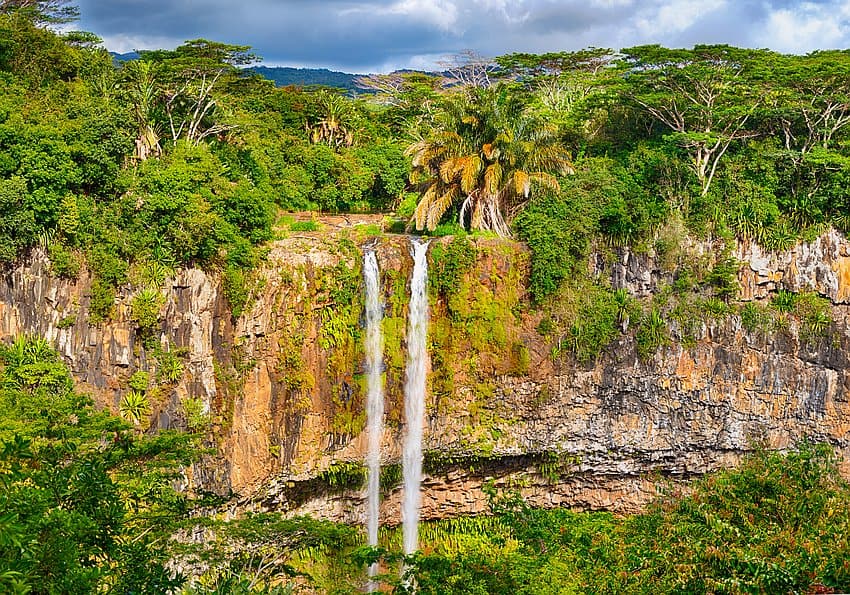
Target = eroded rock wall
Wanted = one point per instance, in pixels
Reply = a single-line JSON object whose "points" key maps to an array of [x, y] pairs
{"points": [[283, 387]]}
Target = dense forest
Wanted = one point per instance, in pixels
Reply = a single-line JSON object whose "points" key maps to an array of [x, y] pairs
{"points": [[187, 157]]}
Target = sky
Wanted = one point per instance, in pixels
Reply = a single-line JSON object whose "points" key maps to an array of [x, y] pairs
{"points": [[383, 35]]}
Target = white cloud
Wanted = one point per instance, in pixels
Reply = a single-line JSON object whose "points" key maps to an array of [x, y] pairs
{"points": [[512, 11], [361, 35], [442, 13], [806, 27], [130, 43], [675, 16]]}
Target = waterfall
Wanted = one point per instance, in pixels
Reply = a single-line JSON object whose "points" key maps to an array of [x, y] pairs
{"points": [[414, 395], [375, 397]]}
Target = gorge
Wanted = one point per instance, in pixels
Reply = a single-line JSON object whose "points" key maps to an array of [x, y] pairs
{"points": [[287, 414]]}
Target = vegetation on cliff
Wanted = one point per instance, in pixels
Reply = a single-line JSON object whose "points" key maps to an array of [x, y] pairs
{"points": [[86, 502], [775, 525], [184, 158], [88, 505]]}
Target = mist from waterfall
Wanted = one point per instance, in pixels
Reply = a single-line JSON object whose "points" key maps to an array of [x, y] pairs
{"points": [[414, 395], [375, 396]]}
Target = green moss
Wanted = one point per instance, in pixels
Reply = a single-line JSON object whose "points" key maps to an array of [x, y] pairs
{"points": [[67, 321], [449, 263], [344, 475], [520, 360]]}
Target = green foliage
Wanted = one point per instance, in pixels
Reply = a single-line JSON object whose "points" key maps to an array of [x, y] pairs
{"points": [[449, 263], [102, 301], [18, 228], [237, 289], [753, 317], [596, 323], [169, 365], [81, 509], [815, 314], [64, 263], [140, 380], [265, 552], [197, 418], [723, 276], [135, 406], [784, 301], [344, 475], [775, 525], [309, 225], [144, 308], [652, 334]]}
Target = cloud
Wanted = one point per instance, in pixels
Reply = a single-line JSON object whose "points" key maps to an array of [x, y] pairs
{"points": [[807, 26], [372, 35]]}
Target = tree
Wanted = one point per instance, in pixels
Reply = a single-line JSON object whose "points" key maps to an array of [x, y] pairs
{"points": [[42, 12], [568, 87], [191, 76], [141, 87], [703, 96], [487, 153], [81, 499], [333, 125], [468, 69], [813, 105]]}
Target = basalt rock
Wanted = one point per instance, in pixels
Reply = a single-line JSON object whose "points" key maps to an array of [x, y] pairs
{"points": [[282, 383]]}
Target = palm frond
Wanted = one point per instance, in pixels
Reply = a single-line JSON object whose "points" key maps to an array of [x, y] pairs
{"points": [[420, 215], [469, 175]]}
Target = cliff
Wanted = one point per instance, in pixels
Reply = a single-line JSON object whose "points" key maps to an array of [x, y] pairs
{"points": [[279, 390]]}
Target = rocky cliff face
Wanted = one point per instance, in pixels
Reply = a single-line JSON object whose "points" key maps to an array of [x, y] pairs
{"points": [[283, 391]]}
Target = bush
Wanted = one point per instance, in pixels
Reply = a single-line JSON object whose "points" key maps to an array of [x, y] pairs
{"points": [[145, 307], [449, 263], [64, 262], [777, 524], [652, 334]]}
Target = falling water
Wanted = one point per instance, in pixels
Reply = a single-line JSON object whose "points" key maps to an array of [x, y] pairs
{"points": [[414, 395], [375, 398]]}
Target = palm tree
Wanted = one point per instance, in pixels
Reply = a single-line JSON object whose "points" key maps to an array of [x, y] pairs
{"points": [[142, 88], [334, 126], [486, 152]]}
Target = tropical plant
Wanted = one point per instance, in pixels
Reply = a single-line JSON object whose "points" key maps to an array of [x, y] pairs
{"points": [[135, 406], [333, 126], [485, 152]]}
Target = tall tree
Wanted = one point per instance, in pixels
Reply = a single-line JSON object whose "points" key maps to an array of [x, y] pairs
{"points": [[569, 88], [42, 12], [487, 154], [703, 96], [191, 77]]}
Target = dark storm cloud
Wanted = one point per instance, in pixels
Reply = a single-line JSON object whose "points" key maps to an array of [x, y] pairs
{"points": [[380, 34]]}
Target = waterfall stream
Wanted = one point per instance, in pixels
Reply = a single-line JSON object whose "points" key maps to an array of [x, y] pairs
{"points": [[375, 396], [414, 395]]}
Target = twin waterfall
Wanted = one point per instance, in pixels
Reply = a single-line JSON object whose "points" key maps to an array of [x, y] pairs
{"points": [[414, 394]]}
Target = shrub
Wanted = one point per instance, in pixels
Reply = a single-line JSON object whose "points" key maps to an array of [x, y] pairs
{"points": [[135, 406], [197, 419], [449, 263], [145, 307], [140, 380], [64, 262], [102, 301], [652, 334]]}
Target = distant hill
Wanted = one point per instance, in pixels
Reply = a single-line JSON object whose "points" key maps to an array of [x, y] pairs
{"points": [[127, 57], [283, 76]]}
